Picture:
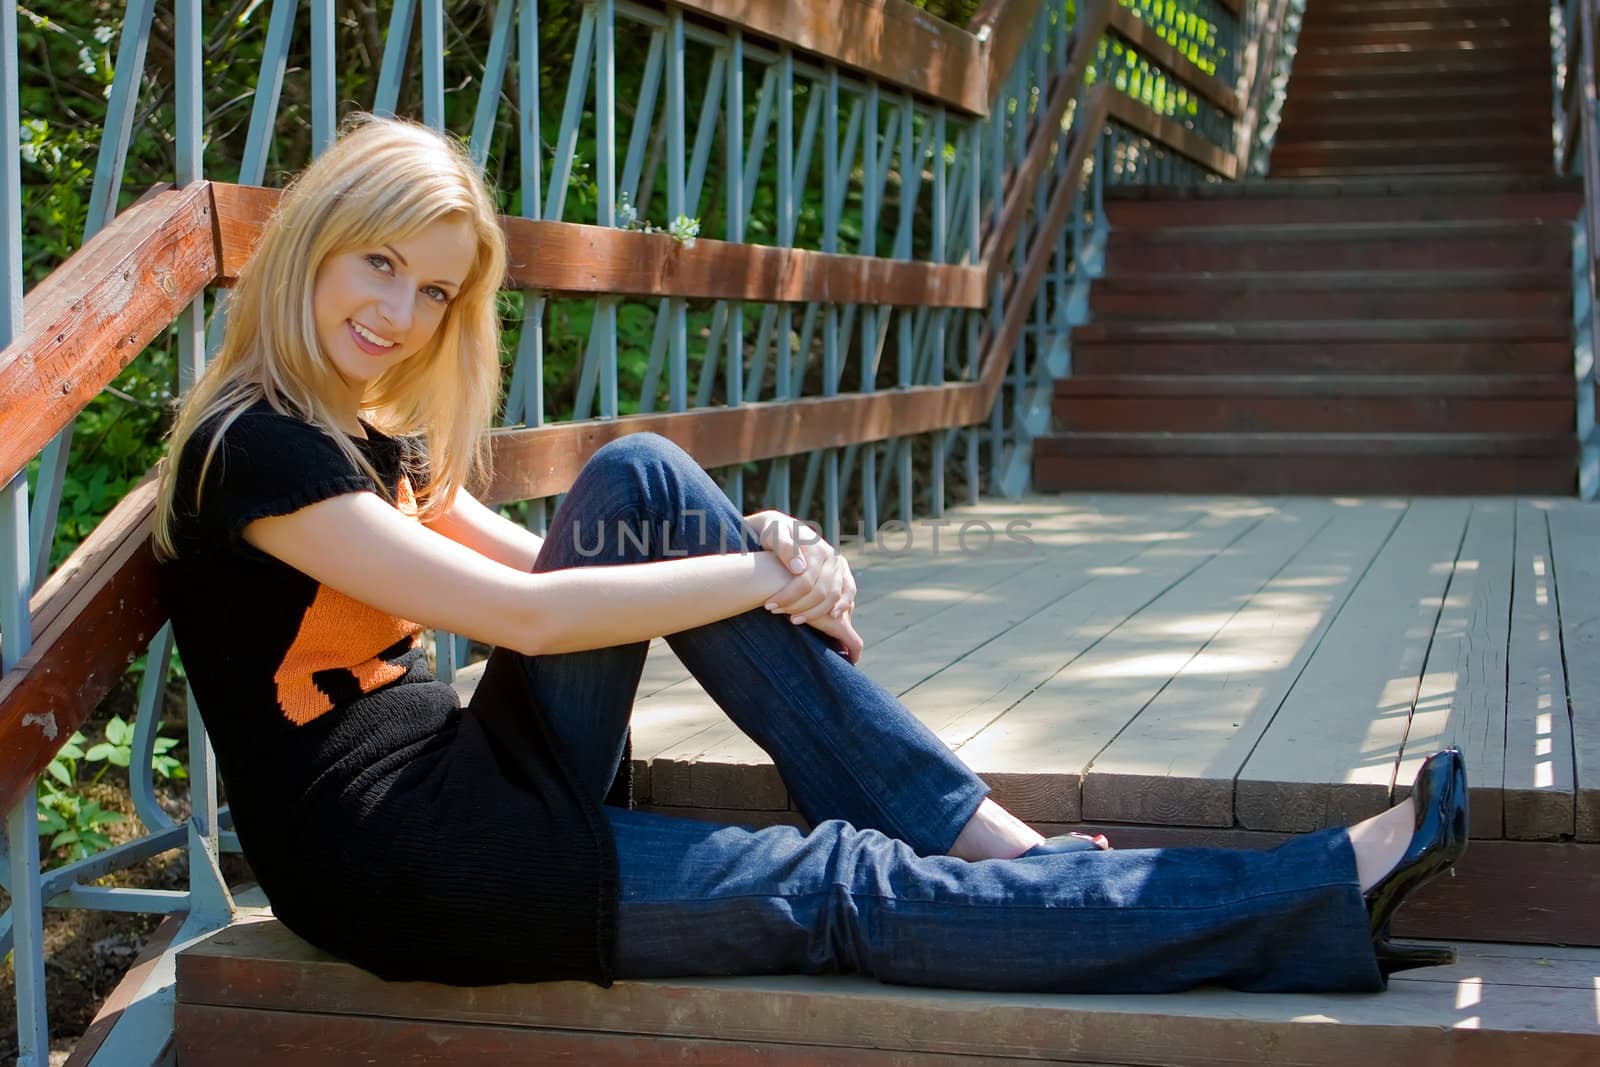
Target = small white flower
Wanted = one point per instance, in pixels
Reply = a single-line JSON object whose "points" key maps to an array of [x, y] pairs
{"points": [[85, 61], [102, 34]]}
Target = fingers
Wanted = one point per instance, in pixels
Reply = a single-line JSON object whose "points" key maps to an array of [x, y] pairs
{"points": [[779, 537], [828, 589], [843, 631]]}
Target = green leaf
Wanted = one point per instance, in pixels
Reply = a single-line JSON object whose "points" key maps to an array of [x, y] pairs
{"points": [[120, 757], [99, 752], [64, 838], [59, 772], [117, 731], [165, 744]]}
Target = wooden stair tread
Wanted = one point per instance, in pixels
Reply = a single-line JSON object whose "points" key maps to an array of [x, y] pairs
{"points": [[1305, 444], [1325, 188], [1325, 332], [1405, 169], [1356, 232], [1423, 141], [235, 987], [1320, 385], [1265, 357], [1339, 281]]}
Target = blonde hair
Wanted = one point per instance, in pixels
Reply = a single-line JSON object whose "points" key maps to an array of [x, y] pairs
{"points": [[383, 180]]}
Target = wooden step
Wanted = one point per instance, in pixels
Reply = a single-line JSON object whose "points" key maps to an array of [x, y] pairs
{"points": [[1353, 246], [1340, 281], [1314, 404], [1319, 331], [1292, 152], [1185, 300], [1305, 463], [1441, 186], [1409, 170], [1490, 54], [1312, 357], [1343, 124], [1482, 29], [1414, 104], [254, 994], [1505, 82], [1262, 210], [1382, 12]]}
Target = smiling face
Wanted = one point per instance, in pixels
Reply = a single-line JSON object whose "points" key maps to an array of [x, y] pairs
{"points": [[376, 307]]}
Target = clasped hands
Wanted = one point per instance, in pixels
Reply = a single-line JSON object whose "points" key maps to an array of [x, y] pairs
{"points": [[822, 591]]}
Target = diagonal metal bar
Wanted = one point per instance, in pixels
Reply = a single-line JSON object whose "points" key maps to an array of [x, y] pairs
{"points": [[396, 42], [644, 114], [555, 199], [494, 73]]}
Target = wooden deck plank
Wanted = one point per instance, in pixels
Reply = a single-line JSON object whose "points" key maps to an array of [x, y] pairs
{"points": [[1176, 761], [1461, 700], [1574, 538], [1035, 755], [1538, 783], [250, 1037], [1496, 1010], [720, 767], [1329, 756], [960, 701]]}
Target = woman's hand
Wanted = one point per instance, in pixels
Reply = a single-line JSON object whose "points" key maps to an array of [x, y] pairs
{"points": [[823, 590]]}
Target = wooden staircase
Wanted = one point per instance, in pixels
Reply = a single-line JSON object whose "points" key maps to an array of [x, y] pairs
{"points": [[1419, 86], [1391, 312]]}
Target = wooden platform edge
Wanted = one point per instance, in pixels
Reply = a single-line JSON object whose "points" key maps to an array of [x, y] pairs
{"points": [[244, 994]]}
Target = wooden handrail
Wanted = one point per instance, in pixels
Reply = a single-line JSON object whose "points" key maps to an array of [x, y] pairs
{"points": [[1001, 28], [890, 40], [1140, 118], [85, 322], [570, 257], [95, 624]]}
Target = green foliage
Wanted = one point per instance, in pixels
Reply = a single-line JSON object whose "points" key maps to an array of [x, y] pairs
{"points": [[117, 751], [69, 819], [72, 823]]}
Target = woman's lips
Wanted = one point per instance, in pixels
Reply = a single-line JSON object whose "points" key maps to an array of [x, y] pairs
{"points": [[365, 345]]}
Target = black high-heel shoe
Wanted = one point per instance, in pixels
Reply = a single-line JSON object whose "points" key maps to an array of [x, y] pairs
{"points": [[1437, 843]]}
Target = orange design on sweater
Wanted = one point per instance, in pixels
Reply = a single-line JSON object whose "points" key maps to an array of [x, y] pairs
{"points": [[339, 632]]}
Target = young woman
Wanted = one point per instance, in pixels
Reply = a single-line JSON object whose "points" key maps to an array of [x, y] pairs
{"points": [[315, 516]]}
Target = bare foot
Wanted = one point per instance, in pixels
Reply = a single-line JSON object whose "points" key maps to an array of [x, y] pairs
{"points": [[993, 833], [1380, 841]]}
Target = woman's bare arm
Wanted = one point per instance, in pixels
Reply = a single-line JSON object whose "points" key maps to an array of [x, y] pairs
{"points": [[487, 532], [362, 547]]}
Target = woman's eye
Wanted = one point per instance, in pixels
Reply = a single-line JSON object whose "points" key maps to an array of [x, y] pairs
{"points": [[378, 262], [436, 294]]}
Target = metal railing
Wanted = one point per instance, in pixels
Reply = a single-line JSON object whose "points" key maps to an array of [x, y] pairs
{"points": [[929, 209]]}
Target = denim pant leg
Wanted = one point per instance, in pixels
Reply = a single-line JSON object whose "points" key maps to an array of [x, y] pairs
{"points": [[845, 747], [697, 898]]}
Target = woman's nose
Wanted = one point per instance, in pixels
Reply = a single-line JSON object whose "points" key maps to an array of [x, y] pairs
{"points": [[396, 306]]}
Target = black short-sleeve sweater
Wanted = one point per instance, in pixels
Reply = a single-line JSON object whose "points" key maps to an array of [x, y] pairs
{"points": [[384, 823]]}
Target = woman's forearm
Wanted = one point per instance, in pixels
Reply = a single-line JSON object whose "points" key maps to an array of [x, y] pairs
{"points": [[595, 607]]}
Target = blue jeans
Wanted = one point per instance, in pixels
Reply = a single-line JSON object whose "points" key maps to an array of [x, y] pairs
{"points": [[868, 889]]}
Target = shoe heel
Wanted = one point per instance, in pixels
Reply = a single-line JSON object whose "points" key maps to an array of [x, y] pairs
{"points": [[1396, 956]]}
